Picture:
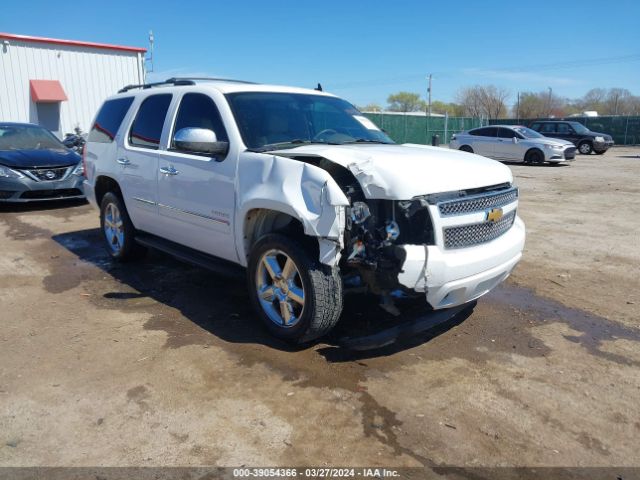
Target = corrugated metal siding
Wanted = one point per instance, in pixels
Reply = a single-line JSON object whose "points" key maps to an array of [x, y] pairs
{"points": [[87, 75]]}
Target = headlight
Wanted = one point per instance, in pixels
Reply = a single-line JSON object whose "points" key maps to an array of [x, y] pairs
{"points": [[554, 147], [79, 170], [599, 139], [6, 172]]}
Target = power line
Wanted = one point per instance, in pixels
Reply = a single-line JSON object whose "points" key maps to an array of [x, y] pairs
{"points": [[590, 62]]}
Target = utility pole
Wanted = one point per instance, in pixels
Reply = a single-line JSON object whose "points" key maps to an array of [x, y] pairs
{"points": [[549, 102], [429, 95], [518, 109]]}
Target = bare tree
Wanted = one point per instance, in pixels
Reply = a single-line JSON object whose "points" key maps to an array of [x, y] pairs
{"points": [[489, 101], [540, 104]]}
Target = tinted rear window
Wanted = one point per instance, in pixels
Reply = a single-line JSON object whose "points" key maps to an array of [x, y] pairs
{"points": [[484, 132], [147, 127], [109, 119]]}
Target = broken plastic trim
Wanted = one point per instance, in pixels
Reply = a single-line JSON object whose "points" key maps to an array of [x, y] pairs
{"points": [[404, 329]]}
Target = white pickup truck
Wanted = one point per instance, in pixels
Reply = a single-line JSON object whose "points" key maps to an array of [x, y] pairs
{"points": [[300, 188]]}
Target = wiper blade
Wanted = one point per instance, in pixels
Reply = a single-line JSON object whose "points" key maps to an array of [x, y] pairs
{"points": [[364, 140], [290, 144]]}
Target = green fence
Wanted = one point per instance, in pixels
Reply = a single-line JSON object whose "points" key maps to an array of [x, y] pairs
{"points": [[624, 130], [420, 129]]}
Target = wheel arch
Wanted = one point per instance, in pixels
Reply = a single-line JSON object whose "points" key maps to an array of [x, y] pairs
{"points": [[276, 192], [104, 184]]}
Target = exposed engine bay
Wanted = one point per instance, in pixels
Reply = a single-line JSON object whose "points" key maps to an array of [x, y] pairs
{"points": [[373, 229]]}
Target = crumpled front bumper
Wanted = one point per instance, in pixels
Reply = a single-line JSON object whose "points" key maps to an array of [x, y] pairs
{"points": [[458, 276]]}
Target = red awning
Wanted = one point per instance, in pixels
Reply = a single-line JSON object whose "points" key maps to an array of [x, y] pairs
{"points": [[47, 91]]}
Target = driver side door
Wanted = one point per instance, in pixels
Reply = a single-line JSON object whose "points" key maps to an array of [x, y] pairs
{"points": [[196, 194]]}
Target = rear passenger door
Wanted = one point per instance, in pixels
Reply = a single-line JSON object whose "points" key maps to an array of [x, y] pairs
{"points": [[548, 130], [196, 194], [138, 160], [484, 140]]}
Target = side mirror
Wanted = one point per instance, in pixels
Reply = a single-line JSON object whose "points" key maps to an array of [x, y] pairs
{"points": [[515, 139], [199, 140]]}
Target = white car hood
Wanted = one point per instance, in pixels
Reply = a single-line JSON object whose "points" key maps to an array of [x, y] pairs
{"points": [[550, 141], [402, 172]]}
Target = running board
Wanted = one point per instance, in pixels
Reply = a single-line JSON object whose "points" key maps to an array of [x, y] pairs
{"points": [[189, 255]]}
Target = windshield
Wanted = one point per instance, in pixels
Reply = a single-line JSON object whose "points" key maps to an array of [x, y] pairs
{"points": [[527, 132], [271, 121], [579, 128], [27, 137]]}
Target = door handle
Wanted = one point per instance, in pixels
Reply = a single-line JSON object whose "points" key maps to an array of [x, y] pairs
{"points": [[124, 161], [169, 171]]}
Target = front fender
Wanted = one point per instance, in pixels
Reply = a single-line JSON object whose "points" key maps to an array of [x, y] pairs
{"points": [[296, 188]]}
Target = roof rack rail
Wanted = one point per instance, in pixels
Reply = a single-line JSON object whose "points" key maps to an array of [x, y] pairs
{"points": [[230, 80], [170, 81]]}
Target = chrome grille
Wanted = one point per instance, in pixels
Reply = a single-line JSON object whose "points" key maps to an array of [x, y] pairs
{"points": [[474, 234], [48, 174], [478, 203]]}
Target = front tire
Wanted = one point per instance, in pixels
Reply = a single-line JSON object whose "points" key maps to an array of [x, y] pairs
{"points": [[117, 229], [297, 298], [534, 157], [585, 148], [466, 148]]}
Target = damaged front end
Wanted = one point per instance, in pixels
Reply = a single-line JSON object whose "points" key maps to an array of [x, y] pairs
{"points": [[379, 234]]}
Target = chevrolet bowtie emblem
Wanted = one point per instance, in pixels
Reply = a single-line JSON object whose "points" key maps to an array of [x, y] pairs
{"points": [[494, 215]]}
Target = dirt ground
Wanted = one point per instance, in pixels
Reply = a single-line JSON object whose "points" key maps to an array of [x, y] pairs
{"points": [[162, 363]]}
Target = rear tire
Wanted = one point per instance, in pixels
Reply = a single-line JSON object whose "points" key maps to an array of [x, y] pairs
{"points": [[585, 148], [117, 230], [298, 298], [466, 148]]}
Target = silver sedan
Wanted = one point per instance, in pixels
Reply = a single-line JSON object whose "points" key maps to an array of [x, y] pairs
{"points": [[513, 143]]}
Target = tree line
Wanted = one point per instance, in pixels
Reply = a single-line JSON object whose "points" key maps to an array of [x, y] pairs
{"points": [[490, 101]]}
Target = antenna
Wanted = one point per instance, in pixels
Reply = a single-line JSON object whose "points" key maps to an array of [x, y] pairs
{"points": [[149, 59]]}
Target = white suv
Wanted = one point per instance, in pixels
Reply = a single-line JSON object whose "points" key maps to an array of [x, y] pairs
{"points": [[302, 190]]}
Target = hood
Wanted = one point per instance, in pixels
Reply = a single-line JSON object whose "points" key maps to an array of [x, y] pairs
{"points": [[402, 172], [41, 158], [549, 141]]}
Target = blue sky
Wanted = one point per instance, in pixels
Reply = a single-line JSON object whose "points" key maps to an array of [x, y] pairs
{"points": [[365, 50]]}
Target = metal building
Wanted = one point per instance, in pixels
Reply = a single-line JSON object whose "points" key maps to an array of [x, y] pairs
{"points": [[60, 84]]}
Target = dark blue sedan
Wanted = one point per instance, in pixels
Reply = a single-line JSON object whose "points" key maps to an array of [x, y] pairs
{"points": [[35, 165]]}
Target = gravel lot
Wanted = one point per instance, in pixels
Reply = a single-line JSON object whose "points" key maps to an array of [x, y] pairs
{"points": [[161, 363]]}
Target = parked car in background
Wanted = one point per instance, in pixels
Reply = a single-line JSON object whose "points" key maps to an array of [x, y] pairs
{"points": [[513, 143], [305, 192], [35, 165], [576, 133]]}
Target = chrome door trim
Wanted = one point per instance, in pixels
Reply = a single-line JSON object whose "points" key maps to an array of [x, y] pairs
{"points": [[142, 200], [219, 220]]}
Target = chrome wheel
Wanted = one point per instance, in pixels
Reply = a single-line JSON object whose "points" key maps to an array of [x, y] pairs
{"points": [[585, 148], [114, 228], [279, 288]]}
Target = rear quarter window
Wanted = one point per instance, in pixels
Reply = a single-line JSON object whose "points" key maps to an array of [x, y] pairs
{"points": [[109, 120]]}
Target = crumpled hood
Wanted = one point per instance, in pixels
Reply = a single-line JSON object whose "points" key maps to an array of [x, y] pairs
{"points": [[402, 172], [41, 158]]}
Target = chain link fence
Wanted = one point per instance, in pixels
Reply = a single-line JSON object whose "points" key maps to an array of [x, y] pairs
{"points": [[415, 128]]}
